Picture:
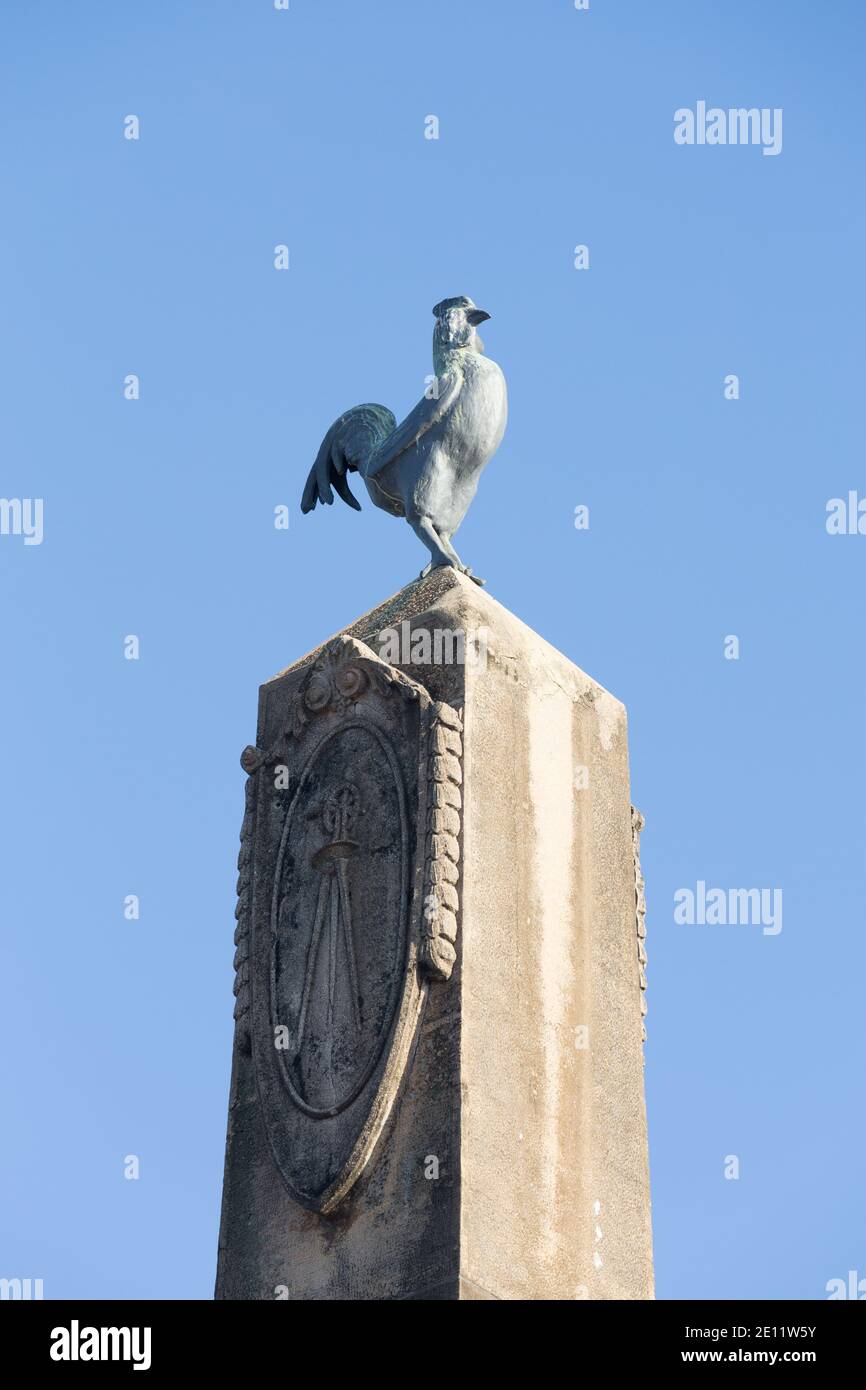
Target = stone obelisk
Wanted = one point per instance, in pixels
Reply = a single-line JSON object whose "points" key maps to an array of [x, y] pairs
{"points": [[437, 1084]]}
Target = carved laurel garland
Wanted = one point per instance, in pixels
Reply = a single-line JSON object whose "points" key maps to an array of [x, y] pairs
{"points": [[637, 824], [441, 869], [242, 913], [336, 679]]}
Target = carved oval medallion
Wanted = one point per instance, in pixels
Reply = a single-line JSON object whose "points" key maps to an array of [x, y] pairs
{"points": [[347, 909], [339, 919]]}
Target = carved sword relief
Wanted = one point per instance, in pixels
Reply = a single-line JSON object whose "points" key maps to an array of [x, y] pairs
{"points": [[334, 907]]}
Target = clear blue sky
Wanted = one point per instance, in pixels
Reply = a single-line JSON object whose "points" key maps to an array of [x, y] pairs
{"points": [[707, 518]]}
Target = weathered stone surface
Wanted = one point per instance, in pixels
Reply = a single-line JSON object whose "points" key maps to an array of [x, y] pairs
{"points": [[476, 1128]]}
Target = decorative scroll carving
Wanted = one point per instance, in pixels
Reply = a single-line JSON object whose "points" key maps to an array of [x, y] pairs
{"points": [[341, 674], [637, 824]]}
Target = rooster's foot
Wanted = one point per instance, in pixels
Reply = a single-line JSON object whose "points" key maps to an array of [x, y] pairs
{"points": [[449, 564]]}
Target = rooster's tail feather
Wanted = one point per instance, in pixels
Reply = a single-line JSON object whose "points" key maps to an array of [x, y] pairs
{"points": [[346, 448]]}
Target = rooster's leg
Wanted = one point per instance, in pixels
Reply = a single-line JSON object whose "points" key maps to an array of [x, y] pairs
{"points": [[439, 552], [440, 547], [445, 538]]}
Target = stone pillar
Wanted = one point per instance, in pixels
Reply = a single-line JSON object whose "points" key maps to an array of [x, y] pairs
{"points": [[437, 1087]]}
